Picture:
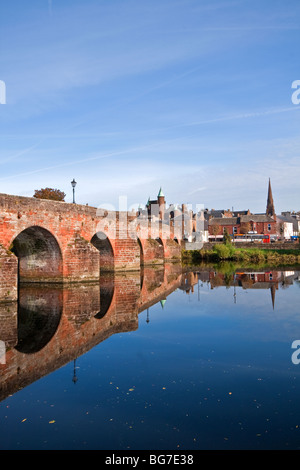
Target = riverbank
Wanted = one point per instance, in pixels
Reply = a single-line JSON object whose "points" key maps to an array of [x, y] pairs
{"points": [[255, 256]]}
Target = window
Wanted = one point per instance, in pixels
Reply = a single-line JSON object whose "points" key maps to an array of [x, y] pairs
{"points": [[234, 229], [269, 227]]}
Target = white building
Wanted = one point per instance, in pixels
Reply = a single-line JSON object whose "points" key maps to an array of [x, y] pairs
{"points": [[285, 227]]}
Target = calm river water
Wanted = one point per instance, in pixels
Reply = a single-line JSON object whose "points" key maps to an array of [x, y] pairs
{"points": [[168, 360]]}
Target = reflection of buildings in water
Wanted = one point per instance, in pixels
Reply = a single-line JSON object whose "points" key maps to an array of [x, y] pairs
{"points": [[189, 281], [245, 279], [51, 326]]}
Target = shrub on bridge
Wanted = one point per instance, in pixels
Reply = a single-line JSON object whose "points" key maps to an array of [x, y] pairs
{"points": [[49, 193]]}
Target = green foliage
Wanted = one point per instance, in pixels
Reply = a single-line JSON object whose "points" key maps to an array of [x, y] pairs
{"points": [[244, 256], [49, 193], [224, 251], [226, 237]]}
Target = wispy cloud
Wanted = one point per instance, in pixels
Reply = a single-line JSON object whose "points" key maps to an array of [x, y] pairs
{"points": [[19, 154], [237, 116], [179, 91]]}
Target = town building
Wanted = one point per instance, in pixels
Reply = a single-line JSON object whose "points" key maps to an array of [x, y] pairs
{"points": [[243, 222], [181, 216], [210, 225], [246, 224], [292, 218], [285, 228]]}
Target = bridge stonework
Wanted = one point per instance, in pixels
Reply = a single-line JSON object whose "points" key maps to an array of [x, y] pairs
{"points": [[50, 241]]}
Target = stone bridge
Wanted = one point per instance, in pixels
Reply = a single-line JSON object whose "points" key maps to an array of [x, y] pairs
{"points": [[50, 241]]}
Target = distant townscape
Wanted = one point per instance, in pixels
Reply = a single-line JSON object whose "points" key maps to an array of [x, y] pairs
{"points": [[207, 225]]}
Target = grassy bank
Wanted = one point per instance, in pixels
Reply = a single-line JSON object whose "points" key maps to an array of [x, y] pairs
{"points": [[254, 256]]}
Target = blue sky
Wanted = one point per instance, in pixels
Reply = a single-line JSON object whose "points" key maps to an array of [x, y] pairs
{"points": [[126, 96]]}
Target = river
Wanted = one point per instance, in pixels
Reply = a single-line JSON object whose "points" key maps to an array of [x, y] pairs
{"points": [[173, 360]]}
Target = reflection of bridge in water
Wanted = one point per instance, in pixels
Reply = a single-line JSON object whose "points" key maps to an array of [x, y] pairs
{"points": [[52, 325]]}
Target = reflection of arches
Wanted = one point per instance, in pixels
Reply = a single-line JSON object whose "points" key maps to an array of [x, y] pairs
{"points": [[102, 243], [141, 252], [142, 262], [39, 314], [39, 255], [107, 289]]}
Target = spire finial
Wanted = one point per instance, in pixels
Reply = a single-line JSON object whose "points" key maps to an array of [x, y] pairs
{"points": [[160, 194]]}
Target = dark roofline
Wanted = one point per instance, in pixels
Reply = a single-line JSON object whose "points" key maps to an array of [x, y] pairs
{"points": [[223, 221]]}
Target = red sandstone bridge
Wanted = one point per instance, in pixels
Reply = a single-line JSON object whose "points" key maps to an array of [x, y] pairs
{"points": [[49, 241]]}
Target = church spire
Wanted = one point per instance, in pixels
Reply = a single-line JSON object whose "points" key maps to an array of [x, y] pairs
{"points": [[270, 210]]}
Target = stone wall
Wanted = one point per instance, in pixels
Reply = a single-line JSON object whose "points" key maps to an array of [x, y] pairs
{"points": [[8, 276], [262, 246]]}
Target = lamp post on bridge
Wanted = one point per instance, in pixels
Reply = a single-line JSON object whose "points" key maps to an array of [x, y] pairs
{"points": [[73, 183]]}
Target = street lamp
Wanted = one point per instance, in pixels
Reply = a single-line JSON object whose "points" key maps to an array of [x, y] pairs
{"points": [[73, 183]]}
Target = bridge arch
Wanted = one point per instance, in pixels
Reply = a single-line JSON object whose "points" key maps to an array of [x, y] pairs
{"points": [[105, 248], [39, 255], [141, 251], [151, 251]]}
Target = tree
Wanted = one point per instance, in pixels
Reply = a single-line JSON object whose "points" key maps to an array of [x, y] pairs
{"points": [[49, 193], [226, 237], [245, 227], [281, 230], [215, 229]]}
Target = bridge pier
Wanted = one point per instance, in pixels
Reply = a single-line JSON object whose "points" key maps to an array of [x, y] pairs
{"points": [[127, 255], [158, 251], [81, 261], [152, 252], [8, 276], [172, 250]]}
